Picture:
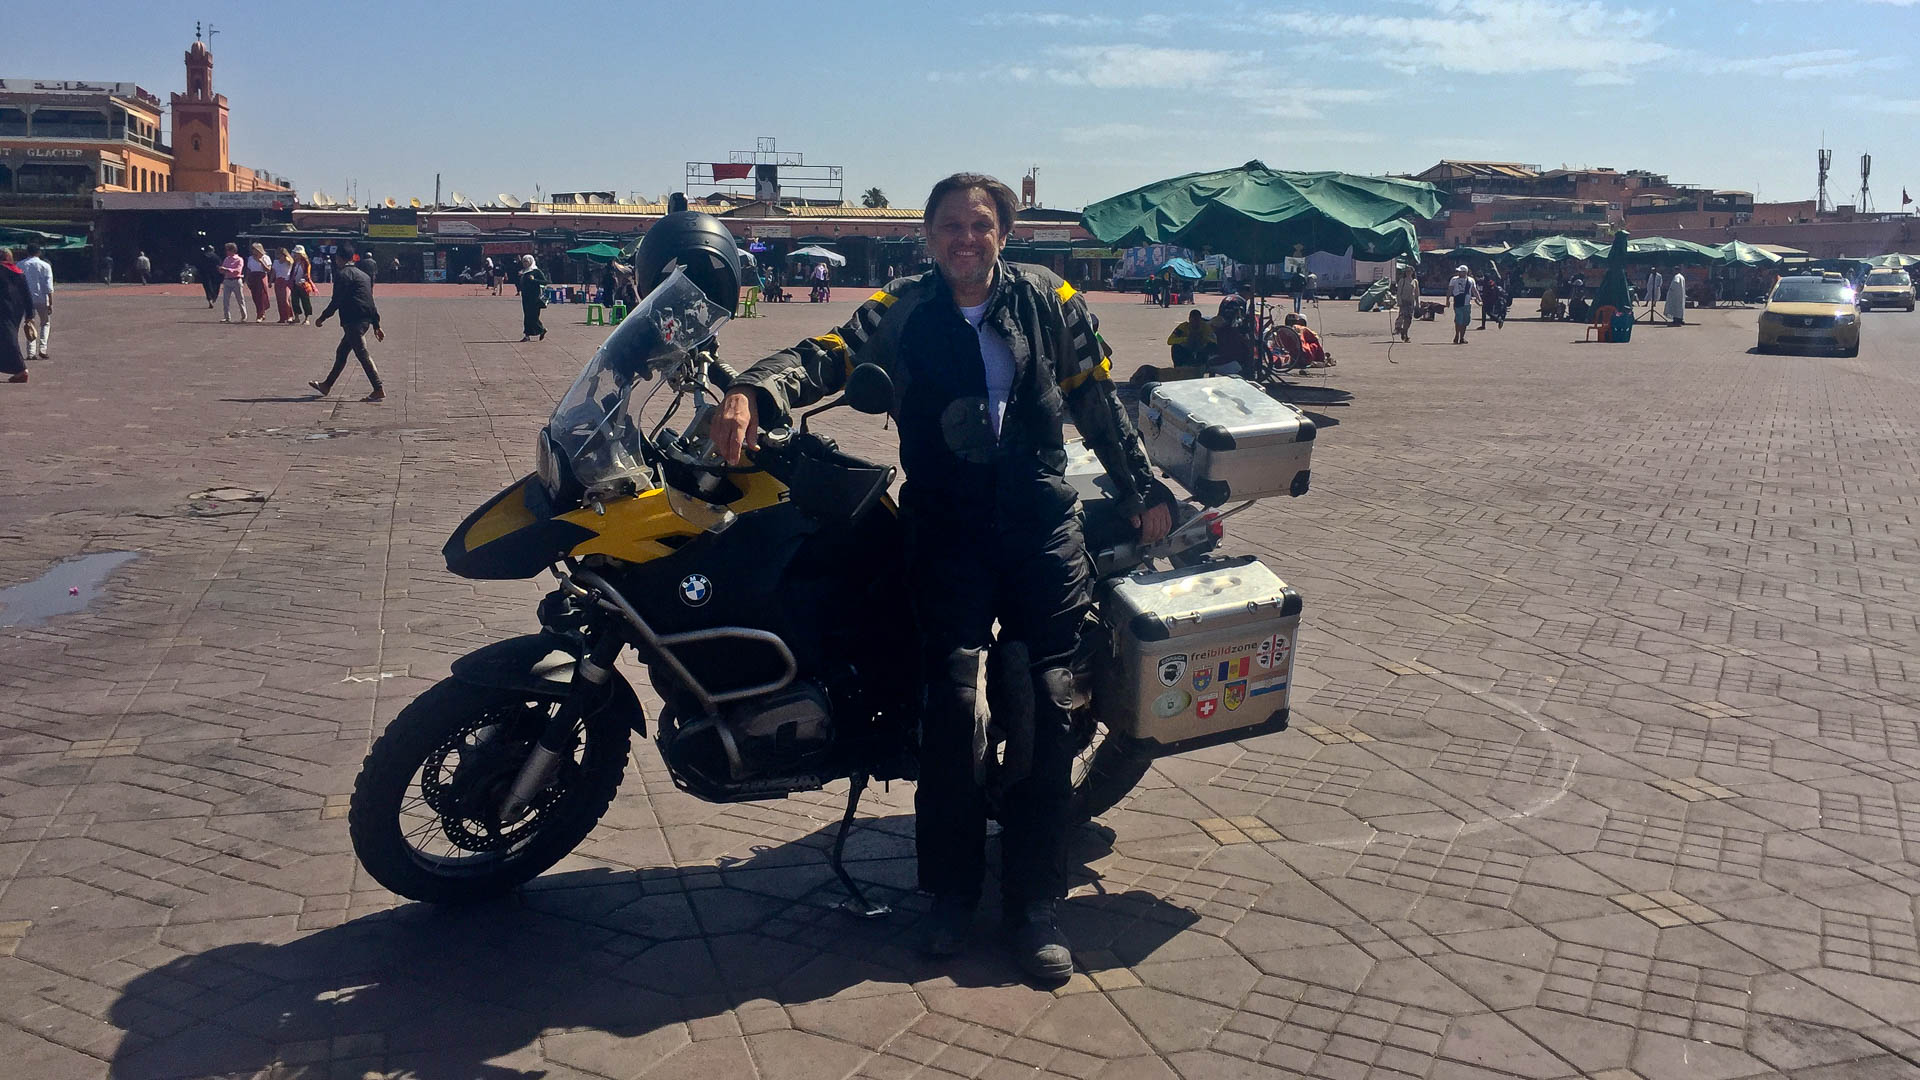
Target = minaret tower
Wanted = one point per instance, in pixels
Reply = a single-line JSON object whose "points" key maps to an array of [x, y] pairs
{"points": [[200, 161]]}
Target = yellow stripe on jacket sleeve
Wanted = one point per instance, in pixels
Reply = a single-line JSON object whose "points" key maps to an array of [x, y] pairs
{"points": [[883, 298], [1101, 372], [837, 345]]}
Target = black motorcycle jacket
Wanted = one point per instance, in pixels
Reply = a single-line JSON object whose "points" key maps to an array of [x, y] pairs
{"points": [[956, 467]]}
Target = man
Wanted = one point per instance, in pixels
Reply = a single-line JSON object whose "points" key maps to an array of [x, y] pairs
{"points": [[39, 277], [106, 269], [1462, 293], [1656, 287], [393, 269], [353, 299], [1493, 302], [1677, 299], [1192, 341], [1406, 302], [988, 359], [142, 266]]}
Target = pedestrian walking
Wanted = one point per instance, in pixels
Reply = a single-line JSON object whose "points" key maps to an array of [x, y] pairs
{"points": [[15, 303], [353, 301], [106, 269], [393, 269], [257, 272], [1406, 302], [300, 284], [232, 269], [39, 277], [1462, 293], [283, 284], [531, 282], [207, 268], [1677, 299], [493, 276], [142, 267]]}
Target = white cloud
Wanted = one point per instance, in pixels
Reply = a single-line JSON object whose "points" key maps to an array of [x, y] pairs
{"points": [[1491, 37], [1148, 67], [1812, 64]]}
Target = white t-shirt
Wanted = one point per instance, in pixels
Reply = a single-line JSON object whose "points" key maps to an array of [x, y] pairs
{"points": [[998, 358]]}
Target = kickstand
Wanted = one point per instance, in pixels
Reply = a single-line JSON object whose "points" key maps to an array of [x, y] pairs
{"points": [[856, 903]]}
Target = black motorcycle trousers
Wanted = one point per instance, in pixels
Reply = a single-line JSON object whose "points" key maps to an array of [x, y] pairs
{"points": [[1035, 581]]}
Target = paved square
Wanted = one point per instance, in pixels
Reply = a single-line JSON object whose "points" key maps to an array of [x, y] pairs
{"points": [[1606, 759]]}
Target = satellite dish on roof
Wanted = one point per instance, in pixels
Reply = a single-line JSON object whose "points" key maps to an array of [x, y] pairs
{"points": [[460, 199], [511, 202], [321, 198], [415, 203], [389, 202]]}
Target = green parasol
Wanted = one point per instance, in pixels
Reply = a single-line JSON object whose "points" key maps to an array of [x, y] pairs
{"points": [[1741, 253], [1556, 249], [1895, 261], [603, 252], [1259, 215], [1613, 291], [1667, 251]]}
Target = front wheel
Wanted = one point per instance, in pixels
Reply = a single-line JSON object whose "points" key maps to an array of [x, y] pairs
{"points": [[424, 818]]}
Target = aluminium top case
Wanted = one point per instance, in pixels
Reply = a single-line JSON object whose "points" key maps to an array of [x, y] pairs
{"points": [[1223, 439]]}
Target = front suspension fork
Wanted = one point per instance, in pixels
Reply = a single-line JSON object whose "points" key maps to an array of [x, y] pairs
{"points": [[586, 694]]}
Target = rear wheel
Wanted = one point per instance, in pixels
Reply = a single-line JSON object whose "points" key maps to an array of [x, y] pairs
{"points": [[1106, 769], [424, 818]]}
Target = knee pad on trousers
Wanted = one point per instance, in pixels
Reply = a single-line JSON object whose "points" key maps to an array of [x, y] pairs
{"points": [[952, 700]]}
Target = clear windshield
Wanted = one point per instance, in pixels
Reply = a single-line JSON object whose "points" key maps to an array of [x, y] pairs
{"points": [[592, 426], [1810, 291], [1889, 277]]}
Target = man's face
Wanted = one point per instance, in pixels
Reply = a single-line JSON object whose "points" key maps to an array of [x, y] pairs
{"points": [[966, 237]]}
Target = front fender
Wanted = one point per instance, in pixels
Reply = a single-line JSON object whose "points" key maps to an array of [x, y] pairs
{"points": [[541, 665]]}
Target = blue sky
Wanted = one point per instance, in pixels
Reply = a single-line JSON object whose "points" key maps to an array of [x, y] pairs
{"points": [[499, 97]]}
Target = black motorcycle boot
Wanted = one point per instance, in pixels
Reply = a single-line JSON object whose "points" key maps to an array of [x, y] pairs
{"points": [[1039, 946], [948, 926]]}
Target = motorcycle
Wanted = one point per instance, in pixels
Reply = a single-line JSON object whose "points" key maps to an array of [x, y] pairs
{"points": [[765, 602]]}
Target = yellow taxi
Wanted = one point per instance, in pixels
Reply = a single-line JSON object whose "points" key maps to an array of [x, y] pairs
{"points": [[1887, 288], [1811, 312]]}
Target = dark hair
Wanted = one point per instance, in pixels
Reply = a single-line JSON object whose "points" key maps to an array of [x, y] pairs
{"points": [[346, 248], [233, 247], [1004, 205], [32, 250]]}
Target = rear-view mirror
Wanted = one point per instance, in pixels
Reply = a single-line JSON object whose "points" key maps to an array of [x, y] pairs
{"points": [[869, 390]]}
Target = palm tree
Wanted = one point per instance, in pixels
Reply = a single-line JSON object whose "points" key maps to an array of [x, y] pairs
{"points": [[873, 198]]}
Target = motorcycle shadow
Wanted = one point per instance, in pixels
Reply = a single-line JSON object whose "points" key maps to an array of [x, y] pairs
{"points": [[607, 970]]}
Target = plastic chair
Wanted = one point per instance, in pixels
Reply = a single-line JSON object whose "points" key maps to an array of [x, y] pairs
{"points": [[750, 303], [619, 314], [1601, 327], [596, 315]]}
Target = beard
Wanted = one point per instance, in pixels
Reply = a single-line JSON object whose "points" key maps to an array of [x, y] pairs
{"points": [[974, 273]]}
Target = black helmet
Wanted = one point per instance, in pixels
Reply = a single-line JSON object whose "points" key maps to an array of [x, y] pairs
{"points": [[699, 244]]}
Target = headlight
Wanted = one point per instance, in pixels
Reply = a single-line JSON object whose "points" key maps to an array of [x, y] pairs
{"points": [[546, 465], [1844, 320]]}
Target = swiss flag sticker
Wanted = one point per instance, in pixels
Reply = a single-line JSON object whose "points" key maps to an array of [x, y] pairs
{"points": [[1207, 707]]}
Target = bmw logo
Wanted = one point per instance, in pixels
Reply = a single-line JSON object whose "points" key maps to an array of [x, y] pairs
{"points": [[695, 589]]}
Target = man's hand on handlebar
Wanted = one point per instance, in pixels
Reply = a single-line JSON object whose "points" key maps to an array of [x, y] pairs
{"points": [[736, 427], [1155, 523]]}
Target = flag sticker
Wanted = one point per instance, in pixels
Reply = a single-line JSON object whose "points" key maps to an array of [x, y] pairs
{"points": [[1234, 669], [1207, 707]]}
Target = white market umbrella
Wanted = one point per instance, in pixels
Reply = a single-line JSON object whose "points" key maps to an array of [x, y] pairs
{"points": [[834, 258]]}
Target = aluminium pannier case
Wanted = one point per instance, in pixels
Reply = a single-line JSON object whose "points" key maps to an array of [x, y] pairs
{"points": [[1225, 440], [1200, 653]]}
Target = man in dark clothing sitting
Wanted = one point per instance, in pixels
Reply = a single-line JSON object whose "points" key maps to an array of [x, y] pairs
{"points": [[353, 300]]}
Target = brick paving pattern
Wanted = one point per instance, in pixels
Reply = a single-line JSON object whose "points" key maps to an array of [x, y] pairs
{"points": [[1606, 759]]}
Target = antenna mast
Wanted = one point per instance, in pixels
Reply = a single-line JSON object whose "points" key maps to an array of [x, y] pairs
{"points": [[1866, 197], [1824, 205]]}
